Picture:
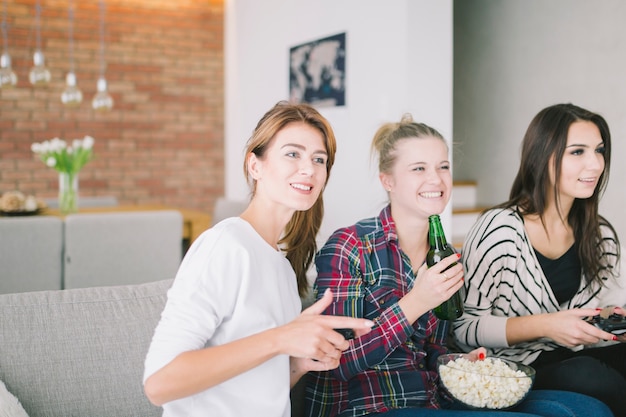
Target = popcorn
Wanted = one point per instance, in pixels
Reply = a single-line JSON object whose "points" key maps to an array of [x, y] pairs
{"points": [[489, 383]]}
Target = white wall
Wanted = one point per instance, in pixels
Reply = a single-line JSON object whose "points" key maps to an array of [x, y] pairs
{"points": [[513, 58], [399, 59]]}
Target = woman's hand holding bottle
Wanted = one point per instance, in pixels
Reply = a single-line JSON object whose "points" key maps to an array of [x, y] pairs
{"points": [[432, 287]]}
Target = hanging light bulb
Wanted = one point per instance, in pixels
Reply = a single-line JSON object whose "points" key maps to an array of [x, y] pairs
{"points": [[102, 101], [71, 96], [8, 78], [39, 74]]}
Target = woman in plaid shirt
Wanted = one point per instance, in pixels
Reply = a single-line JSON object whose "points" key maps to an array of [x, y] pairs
{"points": [[376, 270]]}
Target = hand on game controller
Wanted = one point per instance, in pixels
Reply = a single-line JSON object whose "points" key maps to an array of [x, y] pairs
{"points": [[612, 320], [571, 327]]}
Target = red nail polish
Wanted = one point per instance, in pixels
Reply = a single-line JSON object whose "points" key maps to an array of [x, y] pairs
{"points": [[615, 338], [481, 356], [598, 309], [458, 255]]}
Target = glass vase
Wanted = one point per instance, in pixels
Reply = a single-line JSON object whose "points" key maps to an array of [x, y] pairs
{"points": [[68, 193]]}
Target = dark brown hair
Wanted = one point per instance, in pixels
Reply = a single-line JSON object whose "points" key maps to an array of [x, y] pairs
{"points": [[299, 238], [545, 141]]}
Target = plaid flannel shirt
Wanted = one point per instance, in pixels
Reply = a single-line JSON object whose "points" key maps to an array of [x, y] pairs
{"points": [[394, 365]]}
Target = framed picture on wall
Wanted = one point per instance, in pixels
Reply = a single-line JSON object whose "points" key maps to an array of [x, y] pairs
{"points": [[317, 72]]}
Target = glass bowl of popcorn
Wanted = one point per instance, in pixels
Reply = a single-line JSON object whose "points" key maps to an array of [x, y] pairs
{"points": [[487, 384]]}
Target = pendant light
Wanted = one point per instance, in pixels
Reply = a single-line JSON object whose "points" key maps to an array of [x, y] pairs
{"points": [[71, 96], [102, 101], [39, 75], [8, 78]]}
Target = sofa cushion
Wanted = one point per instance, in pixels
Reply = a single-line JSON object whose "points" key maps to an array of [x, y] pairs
{"points": [[80, 352]]}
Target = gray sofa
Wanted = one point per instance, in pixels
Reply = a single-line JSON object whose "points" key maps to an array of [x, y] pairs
{"points": [[80, 352]]}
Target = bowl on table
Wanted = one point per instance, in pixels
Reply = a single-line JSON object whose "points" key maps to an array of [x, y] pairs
{"points": [[488, 384], [16, 203]]}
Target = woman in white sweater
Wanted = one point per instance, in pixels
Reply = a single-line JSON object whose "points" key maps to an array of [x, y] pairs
{"points": [[231, 340], [538, 264]]}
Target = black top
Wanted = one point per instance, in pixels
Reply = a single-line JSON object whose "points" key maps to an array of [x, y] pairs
{"points": [[563, 273]]}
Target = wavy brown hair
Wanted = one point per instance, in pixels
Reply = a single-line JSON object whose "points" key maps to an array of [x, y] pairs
{"points": [[545, 140], [299, 237]]}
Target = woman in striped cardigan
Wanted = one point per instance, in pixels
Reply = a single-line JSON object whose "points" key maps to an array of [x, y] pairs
{"points": [[538, 264]]}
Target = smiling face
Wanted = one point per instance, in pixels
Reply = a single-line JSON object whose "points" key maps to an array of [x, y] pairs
{"points": [[582, 163], [420, 181], [293, 171]]}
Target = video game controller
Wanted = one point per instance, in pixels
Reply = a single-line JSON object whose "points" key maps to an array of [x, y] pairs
{"points": [[347, 333], [615, 323]]}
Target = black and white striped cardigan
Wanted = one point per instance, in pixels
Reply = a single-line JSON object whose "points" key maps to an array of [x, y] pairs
{"points": [[503, 279]]}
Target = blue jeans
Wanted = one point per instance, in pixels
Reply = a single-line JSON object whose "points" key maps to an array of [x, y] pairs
{"points": [[539, 403]]}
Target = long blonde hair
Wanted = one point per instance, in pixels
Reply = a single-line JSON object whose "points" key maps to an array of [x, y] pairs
{"points": [[299, 237]]}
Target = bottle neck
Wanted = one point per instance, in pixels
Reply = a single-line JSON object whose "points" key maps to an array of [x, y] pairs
{"points": [[436, 236]]}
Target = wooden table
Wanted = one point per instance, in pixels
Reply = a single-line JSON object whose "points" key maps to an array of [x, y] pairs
{"points": [[194, 221]]}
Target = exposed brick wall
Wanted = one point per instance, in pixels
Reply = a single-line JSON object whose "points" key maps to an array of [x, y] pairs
{"points": [[163, 140]]}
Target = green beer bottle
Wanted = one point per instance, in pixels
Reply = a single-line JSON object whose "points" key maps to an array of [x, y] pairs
{"points": [[452, 308]]}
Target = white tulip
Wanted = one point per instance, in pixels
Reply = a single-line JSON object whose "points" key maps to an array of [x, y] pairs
{"points": [[88, 142], [74, 156], [46, 147]]}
